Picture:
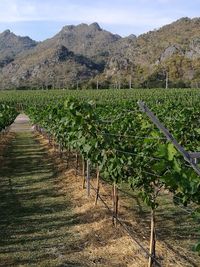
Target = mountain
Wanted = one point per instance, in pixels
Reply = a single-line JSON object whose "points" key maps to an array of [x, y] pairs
{"points": [[87, 51], [85, 54], [55, 66], [12, 45], [88, 40], [172, 51]]}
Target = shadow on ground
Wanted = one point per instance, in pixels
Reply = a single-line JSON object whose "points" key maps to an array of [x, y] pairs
{"points": [[34, 217]]}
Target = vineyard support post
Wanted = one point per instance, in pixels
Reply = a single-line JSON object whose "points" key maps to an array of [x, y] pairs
{"points": [[115, 204], [60, 150], [152, 247], [167, 80], [130, 82], [76, 163], [54, 143], [83, 174], [68, 157], [97, 191], [88, 178], [51, 140]]}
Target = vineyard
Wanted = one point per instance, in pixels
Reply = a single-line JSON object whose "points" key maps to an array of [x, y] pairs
{"points": [[114, 142]]}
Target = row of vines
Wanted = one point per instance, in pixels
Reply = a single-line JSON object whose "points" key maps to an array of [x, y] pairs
{"points": [[108, 130], [7, 115]]}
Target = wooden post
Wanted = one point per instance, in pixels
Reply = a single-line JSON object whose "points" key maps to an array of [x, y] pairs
{"points": [[83, 174], [68, 157], [130, 83], [51, 140], [167, 80], [76, 163], [152, 247], [97, 192], [115, 204], [54, 143], [60, 150], [119, 85], [88, 178]]}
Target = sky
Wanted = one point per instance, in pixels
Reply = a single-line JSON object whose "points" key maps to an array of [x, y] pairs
{"points": [[41, 19]]}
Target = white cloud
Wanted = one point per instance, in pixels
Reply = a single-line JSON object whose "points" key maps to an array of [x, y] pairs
{"points": [[13, 10], [21, 10], [117, 12]]}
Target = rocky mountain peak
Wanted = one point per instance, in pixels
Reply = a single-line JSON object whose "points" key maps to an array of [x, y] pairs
{"points": [[87, 40], [131, 37], [68, 28], [6, 32], [95, 26], [184, 19], [83, 27], [11, 45]]}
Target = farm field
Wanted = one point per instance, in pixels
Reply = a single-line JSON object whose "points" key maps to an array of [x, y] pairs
{"points": [[123, 155]]}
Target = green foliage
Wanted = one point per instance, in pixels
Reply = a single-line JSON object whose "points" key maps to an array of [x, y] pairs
{"points": [[104, 133], [107, 128], [112, 133], [7, 115]]}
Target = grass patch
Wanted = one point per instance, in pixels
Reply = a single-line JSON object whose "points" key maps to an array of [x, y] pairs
{"points": [[35, 217]]}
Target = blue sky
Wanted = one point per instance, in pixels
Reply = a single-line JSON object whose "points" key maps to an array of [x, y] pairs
{"points": [[41, 19]]}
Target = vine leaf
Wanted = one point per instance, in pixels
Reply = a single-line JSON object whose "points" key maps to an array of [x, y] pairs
{"points": [[171, 151]]}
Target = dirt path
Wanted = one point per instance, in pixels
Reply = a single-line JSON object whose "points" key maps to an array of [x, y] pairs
{"points": [[34, 217]]}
